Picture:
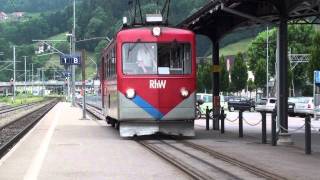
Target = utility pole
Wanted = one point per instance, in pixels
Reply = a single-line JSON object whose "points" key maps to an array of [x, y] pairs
{"points": [[267, 61], [83, 84], [25, 74], [14, 72], [38, 74], [73, 53], [32, 78], [43, 88]]}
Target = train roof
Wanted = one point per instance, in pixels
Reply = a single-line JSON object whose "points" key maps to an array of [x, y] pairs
{"points": [[146, 29], [138, 31]]}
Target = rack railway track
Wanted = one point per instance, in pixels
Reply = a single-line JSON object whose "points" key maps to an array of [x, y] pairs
{"points": [[198, 161]]}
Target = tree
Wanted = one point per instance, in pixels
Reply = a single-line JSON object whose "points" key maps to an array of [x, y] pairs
{"points": [[314, 63], [97, 51], [251, 86], [260, 74], [258, 50], [204, 80], [224, 75], [299, 42], [239, 73]]}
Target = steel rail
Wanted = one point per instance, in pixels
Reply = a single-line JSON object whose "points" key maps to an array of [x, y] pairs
{"points": [[5, 107], [9, 144], [11, 109], [93, 111], [194, 173], [248, 167]]}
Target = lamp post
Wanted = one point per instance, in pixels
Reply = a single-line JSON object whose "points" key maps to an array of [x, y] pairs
{"points": [[32, 78], [25, 74], [267, 61], [14, 72], [73, 52], [68, 67]]}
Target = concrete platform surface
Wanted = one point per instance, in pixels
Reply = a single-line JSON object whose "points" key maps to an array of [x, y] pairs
{"points": [[62, 146], [288, 161]]}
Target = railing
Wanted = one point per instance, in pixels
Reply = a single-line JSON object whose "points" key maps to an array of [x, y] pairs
{"points": [[220, 118]]}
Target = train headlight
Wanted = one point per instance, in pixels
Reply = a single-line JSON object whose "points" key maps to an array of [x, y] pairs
{"points": [[156, 31], [184, 92], [130, 93]]}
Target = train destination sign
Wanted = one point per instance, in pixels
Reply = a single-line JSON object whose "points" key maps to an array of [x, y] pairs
{"points": [[70, 60]]}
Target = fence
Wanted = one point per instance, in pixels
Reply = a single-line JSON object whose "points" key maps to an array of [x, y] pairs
{"points": [[220, 118]]}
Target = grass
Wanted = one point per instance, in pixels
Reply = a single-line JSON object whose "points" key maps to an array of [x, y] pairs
{"points": [[61, 36], [20, 100], [33, 15], [233, 49]]}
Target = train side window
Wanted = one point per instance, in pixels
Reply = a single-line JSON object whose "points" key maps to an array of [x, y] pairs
{"points": [[109, 70], [106, 68], [103, 73], [113, 59], [112, 63]]}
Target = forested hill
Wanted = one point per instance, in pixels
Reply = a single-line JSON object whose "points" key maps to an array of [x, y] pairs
{"points": [[95, 18], [32, 5]]}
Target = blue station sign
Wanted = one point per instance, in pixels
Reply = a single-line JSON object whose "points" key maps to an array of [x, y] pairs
{"points": [[67, 74], [317, 77]]}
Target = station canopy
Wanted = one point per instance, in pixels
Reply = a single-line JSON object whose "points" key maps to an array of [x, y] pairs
{"points": [[219, 17]]}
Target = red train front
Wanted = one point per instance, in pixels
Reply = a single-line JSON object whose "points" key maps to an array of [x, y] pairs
{"points": [[149, 81]]}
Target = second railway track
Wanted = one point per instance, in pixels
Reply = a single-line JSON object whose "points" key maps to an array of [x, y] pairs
{"points": [[11, 133]]}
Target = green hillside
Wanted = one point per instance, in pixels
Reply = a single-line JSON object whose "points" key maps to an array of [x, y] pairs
{"points": [[234, 48], [52, 19]]}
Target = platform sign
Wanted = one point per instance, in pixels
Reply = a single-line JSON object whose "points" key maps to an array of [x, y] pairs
{"points": [[317, 77], [67, 74], [70, 59]]}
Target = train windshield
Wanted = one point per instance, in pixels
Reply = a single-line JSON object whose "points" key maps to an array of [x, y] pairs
{"points": [[156, 58]]}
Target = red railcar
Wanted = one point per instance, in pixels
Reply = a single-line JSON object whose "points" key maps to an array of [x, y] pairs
{"points": [[148, 81]]}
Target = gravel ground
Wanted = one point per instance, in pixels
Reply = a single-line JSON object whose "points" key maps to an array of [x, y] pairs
{"points": [[11, 116], [15, 128]]}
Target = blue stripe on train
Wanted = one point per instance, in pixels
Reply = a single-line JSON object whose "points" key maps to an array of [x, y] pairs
{"points": [[148, 107]]}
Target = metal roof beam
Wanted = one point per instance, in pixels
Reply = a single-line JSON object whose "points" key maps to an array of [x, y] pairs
{"points": [[244, 15]]}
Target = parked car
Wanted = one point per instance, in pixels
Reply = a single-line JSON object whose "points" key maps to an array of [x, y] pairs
{"points": [[291, 104], [241, 103], [207, 101], [303, 106], [266, 104], [291, 109]]}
